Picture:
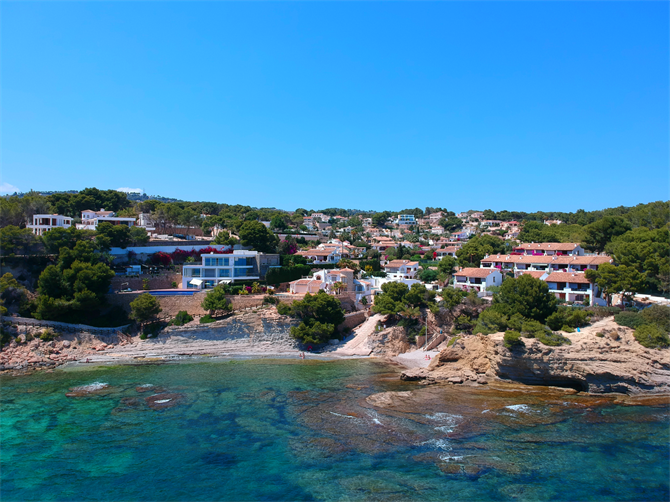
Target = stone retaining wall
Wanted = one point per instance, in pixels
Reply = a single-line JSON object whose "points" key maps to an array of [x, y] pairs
{"points": [[352, 320], [160, 281], [171, 305]]}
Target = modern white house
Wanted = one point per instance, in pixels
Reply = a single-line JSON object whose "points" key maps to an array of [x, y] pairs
{"points": [[239, 265], [405, 219], [401, 269], [90, 219], [42, 223], [477, 279], [326, 279]]}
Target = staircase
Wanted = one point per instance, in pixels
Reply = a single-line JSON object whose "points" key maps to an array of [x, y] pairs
{"points": [[358, 345]]}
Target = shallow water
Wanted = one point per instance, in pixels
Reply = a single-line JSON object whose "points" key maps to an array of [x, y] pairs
{"points": [[300, 430]]}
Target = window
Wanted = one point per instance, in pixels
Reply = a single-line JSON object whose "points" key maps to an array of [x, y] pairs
{"points": [[224, 272], [242, 262], [216, 262], [209, 272], [240, 272], [195, 272]]}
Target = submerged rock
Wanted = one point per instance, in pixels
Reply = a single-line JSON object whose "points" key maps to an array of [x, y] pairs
{"points": [[164, 400], [87, 390]]}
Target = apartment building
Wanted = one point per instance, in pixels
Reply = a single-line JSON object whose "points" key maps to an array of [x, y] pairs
{"points": [[549, 248], [522, 263], [90, 219], [401, 269], [477, 279]]}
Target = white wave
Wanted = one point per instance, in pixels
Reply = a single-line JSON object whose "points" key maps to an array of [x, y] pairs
{"points": [[524, 408], [485, 411], [442, 444], [373, 415], [163, 401]]}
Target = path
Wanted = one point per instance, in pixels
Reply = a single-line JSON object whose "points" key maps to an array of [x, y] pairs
{"points": [[359, 345]]}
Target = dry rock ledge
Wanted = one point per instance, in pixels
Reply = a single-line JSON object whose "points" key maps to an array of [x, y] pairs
{"points": [[615, 362]]}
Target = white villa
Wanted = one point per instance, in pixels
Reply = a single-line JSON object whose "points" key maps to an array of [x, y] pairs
{"points": [[44, 222], [90, 219], [477, 279], [401, 269], [218, 268]]}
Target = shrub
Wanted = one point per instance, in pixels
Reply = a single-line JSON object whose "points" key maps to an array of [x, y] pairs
{"points": [[568, 329], [145, 284], [651, 336], [572, 317], [512, 339], [451, 342], [283, 309], [600, 334], [151, 330], [47, 335], [181, 318], [206, 319], [658, 315], [271, 300], [552, 339], [629, 319], [174, 285], [143, 336], [490, 321]]}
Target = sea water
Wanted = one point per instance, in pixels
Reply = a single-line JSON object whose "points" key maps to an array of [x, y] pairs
{"points": [[304, 430]]}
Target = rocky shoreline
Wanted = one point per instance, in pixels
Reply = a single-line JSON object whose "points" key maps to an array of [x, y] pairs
{"points": [[602, 358]]}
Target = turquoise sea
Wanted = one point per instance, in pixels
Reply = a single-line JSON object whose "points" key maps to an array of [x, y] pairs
{"points": [[303, 430]]}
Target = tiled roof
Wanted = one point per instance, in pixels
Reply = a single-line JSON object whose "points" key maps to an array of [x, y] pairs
{"points": [[574, 277], [545, 259], [315, 252], [534, 273], [475, 272], [400, 263], [548, 246], [305, 281]]}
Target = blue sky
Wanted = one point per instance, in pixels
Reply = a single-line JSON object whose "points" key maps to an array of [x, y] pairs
{"points": [[381, 105]]}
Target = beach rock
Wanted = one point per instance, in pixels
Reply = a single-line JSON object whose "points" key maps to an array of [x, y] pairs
{"points": [[455, 379], [66, 344], [164, 400], [87, 390], [614, 363]]}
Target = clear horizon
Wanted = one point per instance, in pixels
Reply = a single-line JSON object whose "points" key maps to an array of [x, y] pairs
{"points": [[518, 106]]}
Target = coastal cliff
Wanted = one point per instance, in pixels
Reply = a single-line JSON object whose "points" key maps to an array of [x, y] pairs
{"points": [[602, 358]]}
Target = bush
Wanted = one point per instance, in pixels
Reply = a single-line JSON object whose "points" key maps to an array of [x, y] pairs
{"points": [[181, 318], [174, 285], [552, 339], [566, 316], [271, 300], [47, 335], [151, 330], [513, 339], [283, 309], [145, 284], [600, 334], [658, 315], [629, 319], [143, 336], [568, 329], [451, 342], [651, 336], [206, 319]]}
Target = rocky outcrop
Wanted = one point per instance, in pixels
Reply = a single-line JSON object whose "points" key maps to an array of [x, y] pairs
{"points": [[602, 358]]}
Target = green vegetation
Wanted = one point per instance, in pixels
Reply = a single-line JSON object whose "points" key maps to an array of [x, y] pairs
{"points": [[527, 296], [320, 314], [651, 336], [452, 341], [513, 339], [206, 319], [181, 318], [396, 296], [216, 301], [651, 325], [287, 274], [144, 308], [568, 317], [256, 235]]}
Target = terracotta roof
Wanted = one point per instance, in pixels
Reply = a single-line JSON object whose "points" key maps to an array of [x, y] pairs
{"points": [[305, 281], [475, 272], [574, 277], [544, 259], [400, 263], [315, 252], [346, 270], [534, 273], [548, 246]]}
